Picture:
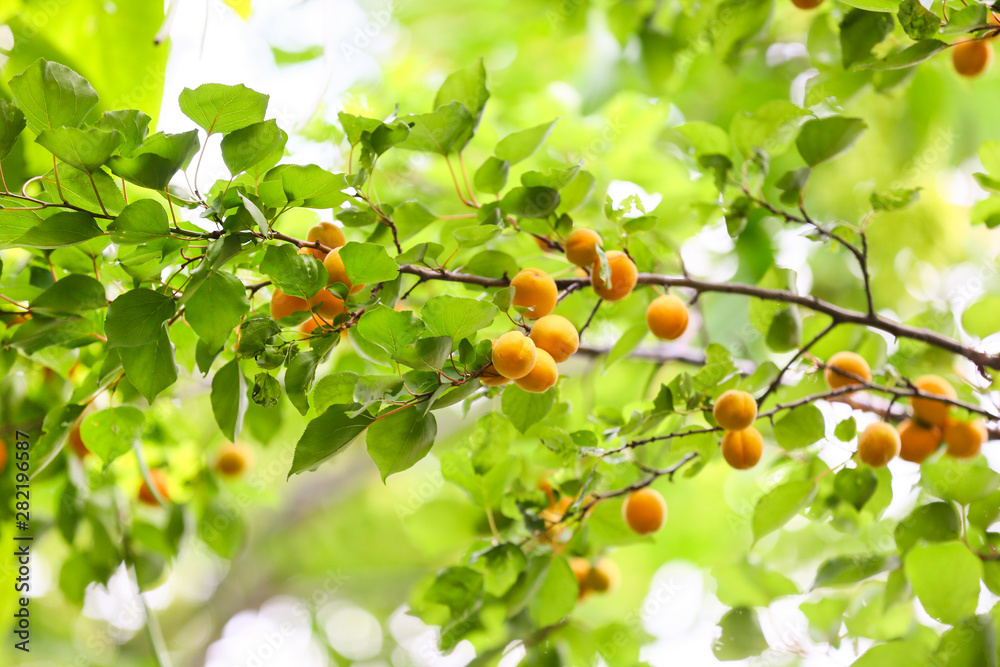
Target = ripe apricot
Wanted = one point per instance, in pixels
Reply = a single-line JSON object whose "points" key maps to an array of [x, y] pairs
{"points": [[849, 362], [557, 336], [330, 305], [309, 326], [542, 376], [75, 442], [667, 317], [645, 511], [878, 444], [971, 58], [928, 410], [965, 438], [807, 4], [491, 378], [159, 478], [581, 568], [514, 355], [3, 454], [328, 234], [534, 289], [283, 305], [581, 246], [603, 576], [624, 276], [916, 441], [735, 410], [337, 273], [742, 449], [233, 460]]}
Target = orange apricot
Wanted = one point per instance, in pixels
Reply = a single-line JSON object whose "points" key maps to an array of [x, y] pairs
{"points": [[735, 410], [603, 576], [971, 58], [542, 376], [965, 438], [75, 442], [581, 568], [3, 454], [916, 441], [557, 336], [878, 444], [624, 276], [667, 317], [514, 355], [645, 511], [327, 234], [742, 449], [283, 305], [159, 479], [807, 4], [338, 273], [848, 362], [929, 410], [491, 378], [581, 246], [233, 460], [330, 305], [534, 289]]}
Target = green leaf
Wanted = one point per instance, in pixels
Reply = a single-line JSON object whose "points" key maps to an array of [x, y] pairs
{"points": [[894, 200], [294, 274], [137, 316], [855, 485], [457, 317], [556, 597], [385, 136], [440, 131], [229, 399], [741, 636], [11, 125], [534, 202], [218, 108], [971, 643], [918, 22], [251, 145], [299, 378], [492, 175], [771, 127], [908, 57], [468, 88], [525, 409], [410, 217], [899, 653], [392, 330], [842, 570], [155, 162], [949, 598], [785, 332], [87, 149], [983, 317], [327, 435], [355, 126], [874, 5], [961, 481], [707, 139], [52, 95], [470, 237], [822, 139], [743, 584], [143, 221], [501, 566], [217, 307], [60, 230], [150, 367], [800, 427], [368, 263], [266, 390], [308, 186], [626, 343], [400, 439], [333, 389], [779, 505], [222, 529], [457, 588], [283, 57], [133, 125], [112, 433], [934, 522], [518, 146], [75, 293]]}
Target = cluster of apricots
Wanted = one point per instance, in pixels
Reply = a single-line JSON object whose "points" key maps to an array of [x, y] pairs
{"points": [[919, 436], [326, 305], [600, 576], [530, 361]]}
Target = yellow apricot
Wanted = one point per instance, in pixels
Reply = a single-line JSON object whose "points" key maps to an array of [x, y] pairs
{"points": [[233, 460], [542, 376], [514, 355], [581, 568], [310, 325], [491, 378], [327, 234], [735, 410], [159, 478], [916, 441], [603, 576], [742, 449], [971, 58], [849, 362], [807, 4], [667, 317], [337, 273], [965, 438], [534, 289], [878, 444], [557, 336], [624, 276], [330, 305], [928, 410], [581, 246], [645, 511], [283, 305]]}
